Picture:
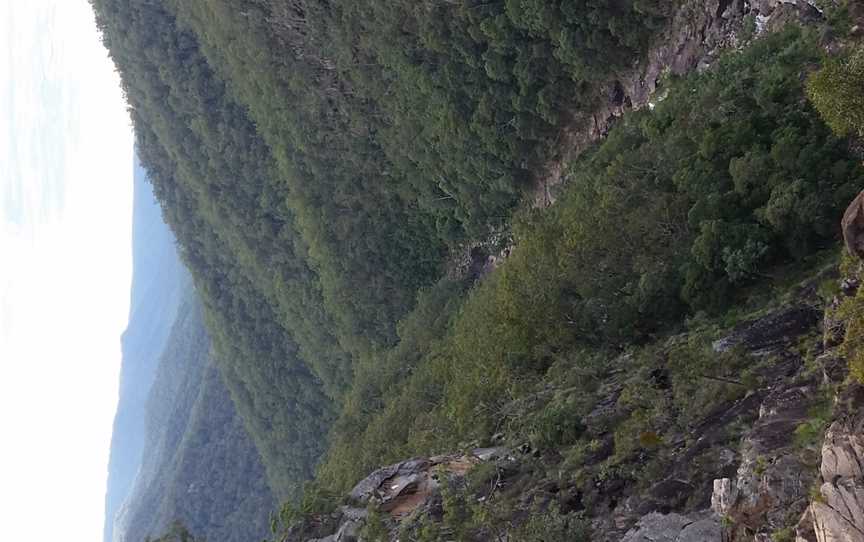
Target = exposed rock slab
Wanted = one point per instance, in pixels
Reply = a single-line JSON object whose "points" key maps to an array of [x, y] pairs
{"points": [[773, 480], [843, 451], [836, 514], [657, 527], [777, 329]]}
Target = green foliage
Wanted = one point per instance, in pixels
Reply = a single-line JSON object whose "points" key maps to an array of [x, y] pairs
{"points": [[394, 133], [317, 160], [371, 430], [551, 526], [276, 350], [786, 534], [375, 530], [482, 477], [458, 514], [702, 378], [749, 28], [557, 424], [716, 185], [836, 91], [679, 209], [306, 517], [316, 501], [838, 15], [852, 312], [815, 493], [475, 513], [811, 433], [636, 433]]}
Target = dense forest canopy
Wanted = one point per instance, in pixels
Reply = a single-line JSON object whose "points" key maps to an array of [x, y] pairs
{"points": [[679, 209], [314, 193], [324, 163]]}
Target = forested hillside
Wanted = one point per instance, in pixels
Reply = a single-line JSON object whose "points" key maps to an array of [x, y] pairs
{"points": [[309, 216], [329, 166]]}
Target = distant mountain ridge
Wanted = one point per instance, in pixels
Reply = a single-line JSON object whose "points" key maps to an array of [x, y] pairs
{"points": [[179, 451], [199, 465], [158, 278]]}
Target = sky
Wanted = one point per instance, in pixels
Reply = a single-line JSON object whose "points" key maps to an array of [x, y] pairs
{"points": [[65, 267]]}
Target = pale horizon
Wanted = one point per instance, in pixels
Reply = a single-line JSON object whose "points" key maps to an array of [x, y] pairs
{"points": [[65, 234]]}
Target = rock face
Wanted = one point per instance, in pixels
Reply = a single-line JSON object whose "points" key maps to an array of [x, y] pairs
{"points": [[774, 478], [764, 479], [837, 513], [768, 496], [763, 335], [853, 227]]}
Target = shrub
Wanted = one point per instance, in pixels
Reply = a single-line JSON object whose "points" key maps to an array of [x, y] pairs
{"points": [[852, 311], [837, 92], [375, 529], [552, 526]]}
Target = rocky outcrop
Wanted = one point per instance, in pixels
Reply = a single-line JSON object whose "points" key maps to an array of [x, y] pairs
{"points": [[774, 477], [836, 514], [404, 487], [763, 335], [765, 477], [398, 491]]}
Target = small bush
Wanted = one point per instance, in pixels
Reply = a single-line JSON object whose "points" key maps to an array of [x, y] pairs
{"points": [[786, 534], [636, 433], [551, 526], [810, 433], [481, 477], [852, 312], [375, 529]]}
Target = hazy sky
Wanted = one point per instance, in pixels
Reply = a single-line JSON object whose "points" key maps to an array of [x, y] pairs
{"points": [[65, 267]]}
